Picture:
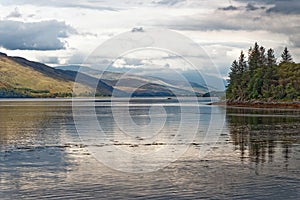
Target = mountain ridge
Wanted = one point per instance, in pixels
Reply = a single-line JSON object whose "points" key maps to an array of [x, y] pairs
{"points": [[130, 82], [20, 77]]}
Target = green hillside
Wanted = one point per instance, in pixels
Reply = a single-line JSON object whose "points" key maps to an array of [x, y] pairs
{"points": [[22, 78]]}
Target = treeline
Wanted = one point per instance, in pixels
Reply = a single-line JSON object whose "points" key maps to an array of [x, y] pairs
{"points": [[30, 93], [9, 93], [262, 77]]}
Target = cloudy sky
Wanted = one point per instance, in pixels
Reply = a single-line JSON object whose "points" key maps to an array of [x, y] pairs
{"points": [[60, 32]]}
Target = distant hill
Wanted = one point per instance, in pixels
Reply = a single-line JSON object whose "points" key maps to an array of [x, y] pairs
{"points": [[23, 78], [151, 85], [20, 77]]}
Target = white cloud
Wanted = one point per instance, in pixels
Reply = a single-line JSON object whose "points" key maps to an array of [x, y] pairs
{"points": [[221, 32], [94, 5], [44, 35], [15, 14]]}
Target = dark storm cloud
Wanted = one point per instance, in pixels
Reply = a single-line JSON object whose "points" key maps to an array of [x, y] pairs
{"points": [[44, 35], [285, 7], [278, 6]]}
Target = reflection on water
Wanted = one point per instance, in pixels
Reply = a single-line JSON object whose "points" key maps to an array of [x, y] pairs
{"points": [[255, 156], [262, 134], [32, 152]]}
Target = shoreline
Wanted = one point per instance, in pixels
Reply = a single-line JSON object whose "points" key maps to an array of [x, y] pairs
{"points": [[259, 104]]}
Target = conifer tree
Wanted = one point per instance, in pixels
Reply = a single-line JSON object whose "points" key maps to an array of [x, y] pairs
{"points": [[233, 75], [271, 60], [234, 70], [262, 61], [269, 76], [242, 65], [286, 56], [253, 58]]}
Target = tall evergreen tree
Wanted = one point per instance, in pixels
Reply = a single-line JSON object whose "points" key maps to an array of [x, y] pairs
{"points": [[262, 61], [233, 84], [242, 65], [269, 76], [271, 60], [286, 56], [234, 70], [253, 58]]}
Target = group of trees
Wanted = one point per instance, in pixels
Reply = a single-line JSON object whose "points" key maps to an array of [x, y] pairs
{"points": [[30, 93], [10, 93], [262, 77]]}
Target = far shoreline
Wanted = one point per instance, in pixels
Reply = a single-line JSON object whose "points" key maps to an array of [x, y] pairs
{"points": [[260, 104]]}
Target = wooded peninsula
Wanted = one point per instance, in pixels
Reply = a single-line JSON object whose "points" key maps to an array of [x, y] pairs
{"points": [[260, 78]]}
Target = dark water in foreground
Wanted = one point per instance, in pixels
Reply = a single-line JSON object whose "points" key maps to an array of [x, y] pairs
{"points": [[254, 155]]}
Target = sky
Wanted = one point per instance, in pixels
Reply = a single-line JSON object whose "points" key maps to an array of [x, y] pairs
{"points": [[65, 32]]}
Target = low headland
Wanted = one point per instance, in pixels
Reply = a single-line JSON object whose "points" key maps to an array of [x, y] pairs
{"points": [[261, 81]]}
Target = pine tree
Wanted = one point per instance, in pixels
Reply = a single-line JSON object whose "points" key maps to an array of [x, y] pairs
{"points": [[231, 91], [234, 70], [271, 60], [286, 56], [262, 61], [242, 65], [253, 58], [269, 78]]}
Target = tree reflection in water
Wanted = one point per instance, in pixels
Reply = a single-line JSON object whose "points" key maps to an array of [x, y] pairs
{"points": [[263, 134]]}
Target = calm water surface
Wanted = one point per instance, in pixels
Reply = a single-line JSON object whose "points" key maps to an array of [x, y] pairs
{"points": [[254, 154]]}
